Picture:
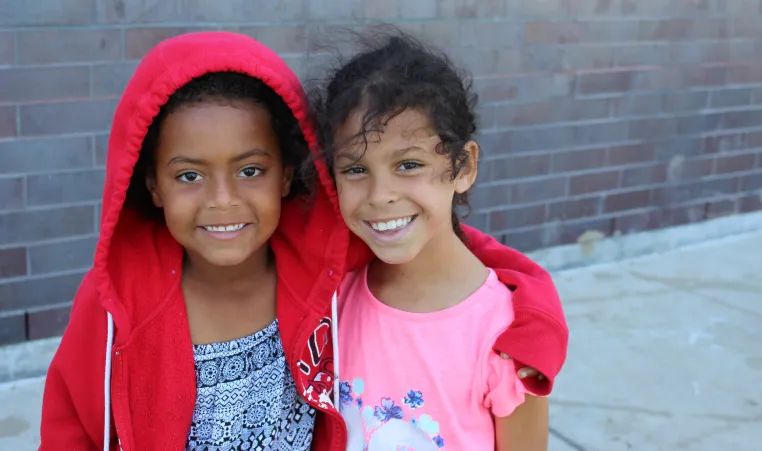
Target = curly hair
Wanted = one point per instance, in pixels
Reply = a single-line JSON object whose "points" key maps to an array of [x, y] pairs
{"points": [[394, 73], [216, 87]]}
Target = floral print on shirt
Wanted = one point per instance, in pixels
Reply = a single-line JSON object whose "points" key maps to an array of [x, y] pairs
{"points": [[387, 424]]}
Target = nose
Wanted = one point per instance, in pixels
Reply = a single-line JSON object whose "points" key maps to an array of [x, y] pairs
{"points": [[382, 191], [223, 193]]}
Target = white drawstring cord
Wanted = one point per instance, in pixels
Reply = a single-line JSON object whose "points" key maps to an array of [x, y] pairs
{"points": [[107, 385], [335, 344]]}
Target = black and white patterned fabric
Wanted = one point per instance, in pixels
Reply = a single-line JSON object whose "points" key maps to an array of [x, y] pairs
{"points": [[246, 398]]}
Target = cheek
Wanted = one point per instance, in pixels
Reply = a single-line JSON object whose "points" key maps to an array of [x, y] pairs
{"points": [[350, 197]]}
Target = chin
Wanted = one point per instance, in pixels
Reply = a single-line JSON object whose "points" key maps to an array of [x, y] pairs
{"points": [[226, 260], [394, 257]]}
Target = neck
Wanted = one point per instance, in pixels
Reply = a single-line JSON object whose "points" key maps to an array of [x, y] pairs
{"points": [[434, 279], [228, 282]]}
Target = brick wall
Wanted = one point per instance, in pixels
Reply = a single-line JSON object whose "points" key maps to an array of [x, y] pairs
{"points": [[613, 116]]}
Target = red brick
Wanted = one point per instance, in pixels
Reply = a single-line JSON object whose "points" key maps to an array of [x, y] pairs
{"points": [[516, 218], [66, 46], [705, 76], [482, 197], [635, 153], [495, 143], [7, 121], [571, 232], [6, 48], [605, 82], [751, 182], [50, 322], [553, 32], [67, 117], [750, 203], [545, 8], [35, 293], [525, 114], [526, 240], [517, 167], [467, 9], [638, 222], [720, 208], [282, 39], [538, 190], [734, 163], [138, 41], [12, 328], [683, 214], [691, 169], [579, 160], [13, 262], [31, 84], [644, 175], [592, 183], [574, 208], [12, 193], [727, 143], [496, 90], [629, 200]]}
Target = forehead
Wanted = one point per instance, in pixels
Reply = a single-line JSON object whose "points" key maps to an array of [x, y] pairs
{"points": [[404, 129], [209, 128]]}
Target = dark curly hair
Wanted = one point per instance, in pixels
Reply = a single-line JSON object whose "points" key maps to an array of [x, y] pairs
{"points": [[217, 87], [396, 72]]}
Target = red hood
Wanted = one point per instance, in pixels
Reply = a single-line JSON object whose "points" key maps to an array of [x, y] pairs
{"points": [[132, 249], [148, 375]]}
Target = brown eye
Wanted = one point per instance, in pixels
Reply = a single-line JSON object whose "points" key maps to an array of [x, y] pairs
{"points": [[250, 172], [189, 177]]}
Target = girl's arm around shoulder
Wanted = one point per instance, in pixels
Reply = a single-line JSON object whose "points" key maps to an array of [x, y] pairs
{"points": [[72, 405], [526, 429], [538, 337], [521, 419]]}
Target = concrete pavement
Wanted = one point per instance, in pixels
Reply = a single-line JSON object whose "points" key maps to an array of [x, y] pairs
{"points": [[665, 354]]}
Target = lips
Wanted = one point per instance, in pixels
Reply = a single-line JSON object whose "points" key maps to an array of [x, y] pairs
{"points": [[391, 225], [224, 227]]}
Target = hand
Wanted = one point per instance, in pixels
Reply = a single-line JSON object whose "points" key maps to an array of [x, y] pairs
{"points": [[525, 372]]}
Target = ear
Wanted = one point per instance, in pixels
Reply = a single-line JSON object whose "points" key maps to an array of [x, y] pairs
{"points": [[468, 172], [288, 177], [151, 185]]}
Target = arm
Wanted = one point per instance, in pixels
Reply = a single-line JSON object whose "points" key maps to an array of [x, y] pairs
{"points": [[538, 336], [74, 383], [526, 429]]}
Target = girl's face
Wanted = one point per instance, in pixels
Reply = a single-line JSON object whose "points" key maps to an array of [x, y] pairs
{"points": [[396, 194], [219, 178]]}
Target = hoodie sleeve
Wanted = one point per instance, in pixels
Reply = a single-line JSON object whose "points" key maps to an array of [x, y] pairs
{"points": [[538, 336], [72, 405]]}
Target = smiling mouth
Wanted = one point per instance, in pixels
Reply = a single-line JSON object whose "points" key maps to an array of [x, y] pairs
{"points": [[224, 228], [391, 225]]}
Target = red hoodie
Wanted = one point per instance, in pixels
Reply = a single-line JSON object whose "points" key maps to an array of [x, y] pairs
{"points": [[125, 366]]}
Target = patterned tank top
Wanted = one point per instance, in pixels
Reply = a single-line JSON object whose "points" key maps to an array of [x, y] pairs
{"points": [[246, 398]]}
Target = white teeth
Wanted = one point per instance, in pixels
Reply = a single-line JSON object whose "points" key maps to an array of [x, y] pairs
{"points": [[394, 224], [228, 228]]}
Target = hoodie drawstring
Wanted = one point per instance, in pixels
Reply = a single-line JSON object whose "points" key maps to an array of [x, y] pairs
{"points": [[107, 385], [335, 345]]}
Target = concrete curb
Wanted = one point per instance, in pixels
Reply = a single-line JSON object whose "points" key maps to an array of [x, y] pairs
{"points": [[594, 248], [31, 359]]}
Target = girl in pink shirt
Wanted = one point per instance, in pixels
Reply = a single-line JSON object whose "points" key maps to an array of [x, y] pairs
{"points": [[417, 326]]}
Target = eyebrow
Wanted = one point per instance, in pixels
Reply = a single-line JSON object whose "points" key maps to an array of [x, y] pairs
{"points": [[398, 153], [181, 159]]}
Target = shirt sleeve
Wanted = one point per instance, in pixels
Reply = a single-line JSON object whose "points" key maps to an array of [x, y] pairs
{"points": [[504, 391]]}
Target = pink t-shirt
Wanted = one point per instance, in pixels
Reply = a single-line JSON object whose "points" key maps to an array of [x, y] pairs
{"points": [[424, 381]]}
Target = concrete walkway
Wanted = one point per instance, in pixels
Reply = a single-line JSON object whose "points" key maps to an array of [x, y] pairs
{"points": [[665, 354]]}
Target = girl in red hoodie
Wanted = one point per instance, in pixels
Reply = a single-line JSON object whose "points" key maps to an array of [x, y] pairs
{"points": [[175, 340]]}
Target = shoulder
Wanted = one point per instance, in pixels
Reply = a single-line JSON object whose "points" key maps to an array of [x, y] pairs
{"points": [[495, 305]]}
